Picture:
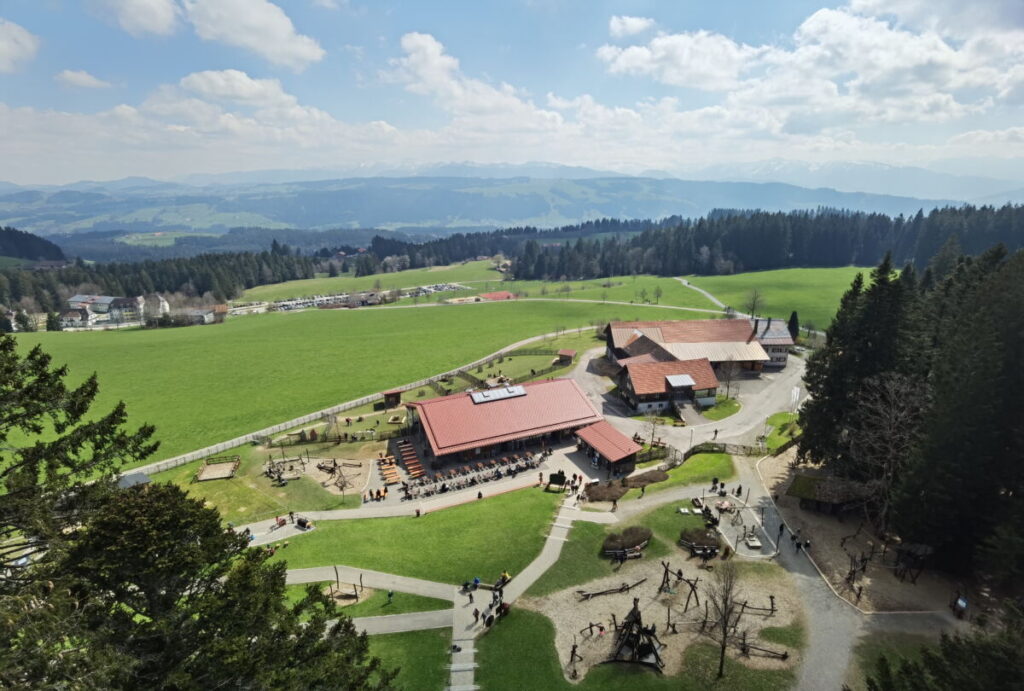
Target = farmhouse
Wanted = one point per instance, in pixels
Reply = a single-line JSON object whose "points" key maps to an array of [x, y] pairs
{"points": [[482, 423], [659, 385], [608, 448], [774, 335], [75, 318], [98, 304], [716, 340], [127, 309]]}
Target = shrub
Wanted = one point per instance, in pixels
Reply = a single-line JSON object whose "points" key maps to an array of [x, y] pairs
{"points": [[634, 536]]}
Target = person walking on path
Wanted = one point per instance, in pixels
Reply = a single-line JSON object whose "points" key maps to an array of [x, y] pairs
{"points": [[716, 435], [642, 490], [476, 615], [391, 596], [291, 516], [615, 504], [470, 597]]}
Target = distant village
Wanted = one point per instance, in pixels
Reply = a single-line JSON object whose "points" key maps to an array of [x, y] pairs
{"points": [[105, 311]]}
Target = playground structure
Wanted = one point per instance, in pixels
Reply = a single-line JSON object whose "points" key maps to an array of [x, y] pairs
{"points": [[636, 643], [282, 470], [218, 468]]}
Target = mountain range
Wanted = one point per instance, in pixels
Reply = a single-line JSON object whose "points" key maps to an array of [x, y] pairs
{"points": [[434, 203]]}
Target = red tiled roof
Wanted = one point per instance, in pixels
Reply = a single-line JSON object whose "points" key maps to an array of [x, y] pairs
{"points": [[646, 357], [455, 423], [499, 295], [567, 353], [682, 331], [649, 378], [608, 441]]}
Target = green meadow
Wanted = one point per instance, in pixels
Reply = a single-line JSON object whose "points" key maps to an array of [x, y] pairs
{"points": [[640, 290], [455, 273], [813, 293], [206, 384]]}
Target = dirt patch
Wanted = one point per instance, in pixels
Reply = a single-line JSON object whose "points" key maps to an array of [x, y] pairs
{"points": [[614, 489], [349, 476], [348, 594], [835, 541], [572, 617]]}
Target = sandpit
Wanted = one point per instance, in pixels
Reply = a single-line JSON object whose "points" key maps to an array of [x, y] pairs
{"points": [[834, 541], [571, 615]]}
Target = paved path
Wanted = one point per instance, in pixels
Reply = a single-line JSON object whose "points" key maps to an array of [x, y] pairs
{"points": [[371, 579], [399, 623], [703, 292]]}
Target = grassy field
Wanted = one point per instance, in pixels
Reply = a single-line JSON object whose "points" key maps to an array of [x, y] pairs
{"points": [[455, 273], [376, 604], [698, 469], [636, 289], [723, 408], [892, 645], [11, 262], [782, 430], [581, 559], [451, 546], [249, 496], [813, 293], [159, 239], [519, 653], [421, 657], [202, 385]]}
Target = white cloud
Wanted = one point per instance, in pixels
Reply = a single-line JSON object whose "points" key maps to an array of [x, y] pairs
{"points": [[701, 60], [948, 17], [80, 79], [255, 25], [619, 25], [428, 70], [1011, 136], [17, 45], [139, 17], [237, 86]]}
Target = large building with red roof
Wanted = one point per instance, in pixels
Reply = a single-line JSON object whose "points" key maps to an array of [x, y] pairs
{"points": [[483, 423]]}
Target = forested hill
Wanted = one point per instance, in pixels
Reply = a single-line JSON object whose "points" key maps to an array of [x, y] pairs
{"points": [[721, 243], [22, 245], [217, 276]]}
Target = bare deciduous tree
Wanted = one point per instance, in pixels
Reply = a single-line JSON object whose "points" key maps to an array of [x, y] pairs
{"points": [[754, 303], [727, 371], [651, 425], [724, 597], [883, 434]]}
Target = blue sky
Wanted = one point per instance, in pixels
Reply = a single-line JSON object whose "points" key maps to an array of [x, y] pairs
{"points": [[101, 89]]}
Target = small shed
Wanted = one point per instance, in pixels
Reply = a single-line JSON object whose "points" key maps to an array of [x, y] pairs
{"points": [[566, 356], [392, 398], [826, 493], [609, 447]]}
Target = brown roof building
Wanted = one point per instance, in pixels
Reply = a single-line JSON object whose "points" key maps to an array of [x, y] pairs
{"points": [[658, 385], [717, 340], [504, 419], [604, 442], [498, 295]]}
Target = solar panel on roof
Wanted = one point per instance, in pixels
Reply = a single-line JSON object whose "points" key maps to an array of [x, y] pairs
{"points": [[497, 394]]}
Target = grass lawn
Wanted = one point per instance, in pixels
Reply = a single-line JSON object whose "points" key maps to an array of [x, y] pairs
{"points": [[782, 430], [202, 385], [697, 469], [893, 645], [455, 273], [723, 408], [582, 560], [519, 653], [377, 604], [638, 290], [451, 546], [422, 657], [249, 496], [813, 293], [160, 238]]}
